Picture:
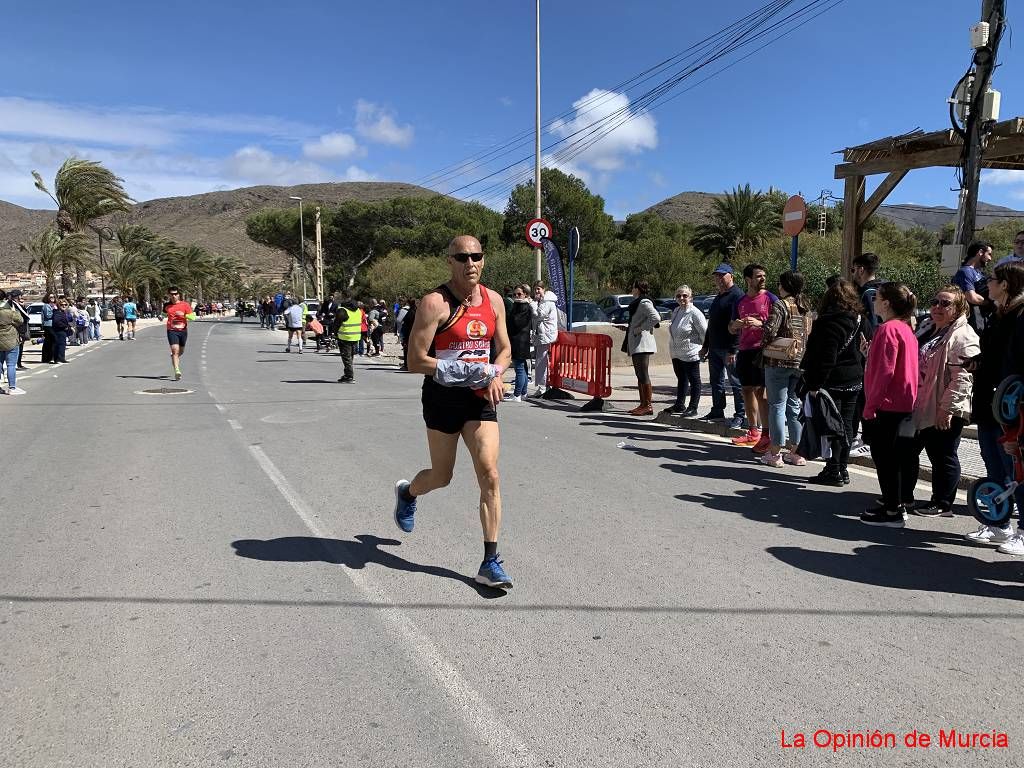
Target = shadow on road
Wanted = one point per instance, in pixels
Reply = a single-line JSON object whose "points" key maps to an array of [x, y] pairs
{"points": [[907, 558], [366, 549], [153, 378], [308, 381]]}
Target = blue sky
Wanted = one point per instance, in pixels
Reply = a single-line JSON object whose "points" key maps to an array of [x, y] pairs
{"points": [[189, 97]]}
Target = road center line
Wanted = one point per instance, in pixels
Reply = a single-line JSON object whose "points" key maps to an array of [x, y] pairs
{"points": [[501, 739]]}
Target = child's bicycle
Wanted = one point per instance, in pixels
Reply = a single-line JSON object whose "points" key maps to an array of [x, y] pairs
{"points": [[991, 502]]}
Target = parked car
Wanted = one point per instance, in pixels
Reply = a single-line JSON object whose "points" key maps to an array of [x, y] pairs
{"points": [[35, 319], [588, 313], [620, 315], [703, 302], [608, 303]]}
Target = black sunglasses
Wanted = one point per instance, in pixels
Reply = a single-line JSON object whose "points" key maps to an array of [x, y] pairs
{"points": [[463, 257], [944, 303]]}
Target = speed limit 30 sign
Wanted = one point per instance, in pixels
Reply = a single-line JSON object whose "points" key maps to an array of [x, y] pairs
{"points": [[536, 230]]}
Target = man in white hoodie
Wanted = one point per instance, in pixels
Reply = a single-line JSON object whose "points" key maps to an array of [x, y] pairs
{"points": [[545, 331]]}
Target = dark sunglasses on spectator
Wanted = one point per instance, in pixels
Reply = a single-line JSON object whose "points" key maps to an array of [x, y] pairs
{"points": [[463, 257], [944, 303]]}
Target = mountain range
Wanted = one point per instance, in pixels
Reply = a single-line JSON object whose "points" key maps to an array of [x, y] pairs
{"points": [[216, 220]]}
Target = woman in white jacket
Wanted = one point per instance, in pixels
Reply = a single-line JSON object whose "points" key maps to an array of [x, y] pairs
{"points": [[686, 337], [943, 405], [640, 344], [545, 332]]}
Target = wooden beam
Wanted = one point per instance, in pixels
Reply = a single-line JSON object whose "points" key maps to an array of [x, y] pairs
{"points": [[879, 195], [853, 230], [998, 148]]}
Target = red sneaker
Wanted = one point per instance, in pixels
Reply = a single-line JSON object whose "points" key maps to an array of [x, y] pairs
{"points": [[751, 438], [761, 447]]}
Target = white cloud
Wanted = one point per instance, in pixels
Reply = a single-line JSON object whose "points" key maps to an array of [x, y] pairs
{"points": [[331, 146], [130, 126], [1002, 177], [258, 166], [374, 123], [607, 153], [355, 173]]}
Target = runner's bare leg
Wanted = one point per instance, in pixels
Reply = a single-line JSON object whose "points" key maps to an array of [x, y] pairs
{"points": [[481, 438], [442, 447]]}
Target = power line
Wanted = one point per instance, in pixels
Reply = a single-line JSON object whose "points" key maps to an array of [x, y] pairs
{"points": [[652, 98]]}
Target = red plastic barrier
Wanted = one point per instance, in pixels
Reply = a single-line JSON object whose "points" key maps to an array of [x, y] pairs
{"points": [[581, 362]]}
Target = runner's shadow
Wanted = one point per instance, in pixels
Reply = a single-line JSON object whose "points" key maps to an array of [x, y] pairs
{"points": [[365, 550], [155, 378]]}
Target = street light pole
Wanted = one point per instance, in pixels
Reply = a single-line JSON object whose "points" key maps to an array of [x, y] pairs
{"points": [[536, 166], [302, 247]]}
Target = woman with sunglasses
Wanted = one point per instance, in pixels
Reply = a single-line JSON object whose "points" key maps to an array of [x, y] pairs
{"points": [[1002, 355], [943, 405], [686, 338], [519, 320], [62, 321]]}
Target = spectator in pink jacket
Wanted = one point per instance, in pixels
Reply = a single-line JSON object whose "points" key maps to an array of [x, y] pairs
{"points": [[890, 389]]}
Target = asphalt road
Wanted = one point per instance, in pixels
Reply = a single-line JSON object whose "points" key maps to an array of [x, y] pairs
{"points": [[214, 578]]}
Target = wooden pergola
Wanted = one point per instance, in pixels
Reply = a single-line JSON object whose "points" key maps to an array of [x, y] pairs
{"points": [[897, 155]]}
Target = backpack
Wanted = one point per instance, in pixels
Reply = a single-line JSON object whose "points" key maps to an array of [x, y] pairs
{"points": [[789, 349]]}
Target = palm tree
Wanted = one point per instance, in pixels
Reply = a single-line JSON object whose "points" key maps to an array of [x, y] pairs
{"points": [[127, 270], [743, 220], [84, 191], [194, 266], [54, 254]]}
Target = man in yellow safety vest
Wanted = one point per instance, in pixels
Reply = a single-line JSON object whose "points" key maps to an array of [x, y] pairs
{"points": [[350, 323]]}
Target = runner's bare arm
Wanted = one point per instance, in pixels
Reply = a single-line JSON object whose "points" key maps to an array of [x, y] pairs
{"points": [[502, 348], [431, 311]]}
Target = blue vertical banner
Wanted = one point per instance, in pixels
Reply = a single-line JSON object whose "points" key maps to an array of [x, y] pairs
{"points": [[556, 272], [574, 249]]}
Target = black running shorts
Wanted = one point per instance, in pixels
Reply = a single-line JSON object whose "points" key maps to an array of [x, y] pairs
{"points": [[449, 409], [748, 371], [177, 337]]}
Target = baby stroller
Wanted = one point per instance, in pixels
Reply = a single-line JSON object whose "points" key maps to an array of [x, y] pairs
{"points": [[991, 502]]}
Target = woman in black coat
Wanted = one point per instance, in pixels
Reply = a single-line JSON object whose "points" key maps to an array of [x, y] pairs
{"points": [[518, 320], [834, 362], [61, 327]]}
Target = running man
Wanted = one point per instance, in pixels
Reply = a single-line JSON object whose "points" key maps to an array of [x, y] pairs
{"points": [[178, 314], [451, 345], [131, 314]]}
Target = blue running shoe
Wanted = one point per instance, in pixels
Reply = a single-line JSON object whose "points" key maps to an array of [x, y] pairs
{"points": [[493, 575], [405, 511]]}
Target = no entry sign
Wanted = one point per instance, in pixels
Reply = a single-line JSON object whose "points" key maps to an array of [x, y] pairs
{"points": [[536, 230], [794, 216]]}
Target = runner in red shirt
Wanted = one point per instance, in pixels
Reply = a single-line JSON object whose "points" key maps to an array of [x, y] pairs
{"points": [[451, 344], [178, 314]]}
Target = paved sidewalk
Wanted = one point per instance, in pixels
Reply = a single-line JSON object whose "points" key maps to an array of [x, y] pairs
{"points": [[624, 396]]}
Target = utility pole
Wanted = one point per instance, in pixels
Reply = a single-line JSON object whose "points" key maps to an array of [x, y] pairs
{"points": [[536, 167], [981, 111], [320, 295]]}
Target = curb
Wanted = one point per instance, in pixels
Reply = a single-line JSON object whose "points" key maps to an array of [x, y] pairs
{"points": [[721, 429]]}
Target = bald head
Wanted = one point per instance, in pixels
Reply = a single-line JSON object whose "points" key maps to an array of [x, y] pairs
{"points": [[464, 244]]}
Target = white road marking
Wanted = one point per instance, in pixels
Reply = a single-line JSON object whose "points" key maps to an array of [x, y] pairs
{"points": [[501, 739]]}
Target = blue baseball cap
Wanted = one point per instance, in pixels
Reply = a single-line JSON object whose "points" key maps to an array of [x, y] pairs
{"points": [[723, 269]]}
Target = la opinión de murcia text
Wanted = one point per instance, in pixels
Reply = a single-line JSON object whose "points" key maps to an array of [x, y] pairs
{"points": [[876, 739]]}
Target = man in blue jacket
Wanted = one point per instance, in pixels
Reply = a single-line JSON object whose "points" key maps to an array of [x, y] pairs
{"points": [[719, 344]]}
